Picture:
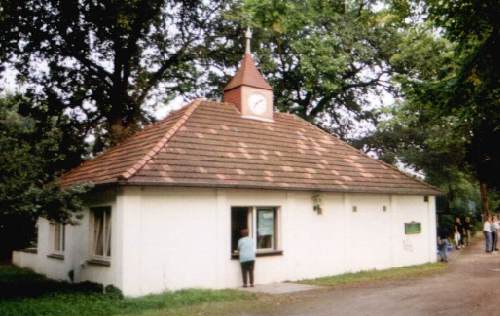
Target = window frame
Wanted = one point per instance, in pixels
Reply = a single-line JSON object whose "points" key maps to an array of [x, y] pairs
{"points": [[57, 238], [253, 229], [274, 239], [106, 244]]}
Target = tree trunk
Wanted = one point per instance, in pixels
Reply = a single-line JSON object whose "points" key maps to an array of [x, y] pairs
{"points": [[484, 198]]}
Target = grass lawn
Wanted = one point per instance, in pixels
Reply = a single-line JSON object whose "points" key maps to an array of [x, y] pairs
{"points": [[23, 292], [375, 275]]}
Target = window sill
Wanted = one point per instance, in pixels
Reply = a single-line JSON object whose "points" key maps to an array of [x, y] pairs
{"points": [[267, 253], [56, 256], [29, 250], [97, 262]]}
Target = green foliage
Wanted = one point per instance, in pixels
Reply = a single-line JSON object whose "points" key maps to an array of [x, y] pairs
{"points": [[472, 93], [102, 61], [325, 61], [33, 149], [25, 293], [446, 125]]}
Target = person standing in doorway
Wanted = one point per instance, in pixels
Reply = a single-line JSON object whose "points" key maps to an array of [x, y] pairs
{"points": [[246, 250], [487, 233], [494, 233]]}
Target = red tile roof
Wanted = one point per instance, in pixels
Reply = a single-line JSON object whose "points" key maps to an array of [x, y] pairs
{"points": [[208, 144], [248, 75]]}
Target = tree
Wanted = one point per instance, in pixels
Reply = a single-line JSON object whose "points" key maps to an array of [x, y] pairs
{"points": [[419, 134], [415, 132], [325, 63], [447, 124], [88, 69], [103, 60], [32, 151], [473, 93]]}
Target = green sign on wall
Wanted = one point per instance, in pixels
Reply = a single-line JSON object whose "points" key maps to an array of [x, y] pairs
{"points": [[412, 228]]}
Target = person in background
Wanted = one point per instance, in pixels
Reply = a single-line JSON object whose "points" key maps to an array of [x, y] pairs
{"points": [[467, 230], [487, 233], [494, 233], [458, 233], [443, 234], [246, 250]]}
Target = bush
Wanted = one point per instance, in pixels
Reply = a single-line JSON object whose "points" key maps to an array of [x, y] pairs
{"points": [[23, 292]]}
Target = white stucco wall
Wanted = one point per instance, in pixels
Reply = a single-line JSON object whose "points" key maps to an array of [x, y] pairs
{"points": [[77, 249], [180, 237], [173, 238]]}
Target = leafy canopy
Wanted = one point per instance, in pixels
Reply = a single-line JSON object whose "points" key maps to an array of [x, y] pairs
{"points": [[31, 151], [327, 63], [104, 60], [447, 123]]}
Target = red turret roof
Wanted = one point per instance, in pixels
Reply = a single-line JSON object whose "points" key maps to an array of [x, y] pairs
{"points": [[248, 75]]}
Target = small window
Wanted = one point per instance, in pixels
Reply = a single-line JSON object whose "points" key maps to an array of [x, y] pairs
{"points": [[101, 232], [266, 228], [57, 236]]}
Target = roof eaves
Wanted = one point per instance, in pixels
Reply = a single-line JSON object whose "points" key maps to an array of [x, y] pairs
{"points": [[283, 188], [161, 143]]}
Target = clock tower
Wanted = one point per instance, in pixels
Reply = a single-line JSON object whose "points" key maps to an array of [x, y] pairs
{"points": [[248, 89]]}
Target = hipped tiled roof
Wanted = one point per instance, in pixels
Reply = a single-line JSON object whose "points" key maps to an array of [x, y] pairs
{"points": [[248, 75], [208, 144]]}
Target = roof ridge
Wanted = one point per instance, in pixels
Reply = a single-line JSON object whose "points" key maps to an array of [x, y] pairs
{"points": [[105, 151], [162, 142], [364, 154]]}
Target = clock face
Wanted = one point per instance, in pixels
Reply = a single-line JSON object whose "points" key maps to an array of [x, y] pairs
{"points": [[257, 103]]}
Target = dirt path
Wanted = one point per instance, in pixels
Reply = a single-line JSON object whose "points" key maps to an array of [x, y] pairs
{"points": [[470, 286]]}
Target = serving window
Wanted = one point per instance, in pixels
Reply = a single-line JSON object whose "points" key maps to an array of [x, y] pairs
{"points": [[262, 224]]}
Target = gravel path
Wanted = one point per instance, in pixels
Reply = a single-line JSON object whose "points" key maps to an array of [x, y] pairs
{"points": [[470, 286]]}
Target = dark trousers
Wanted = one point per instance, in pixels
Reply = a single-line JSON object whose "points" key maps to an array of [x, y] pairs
{"points": [[494, 240], [247, 271], [487, 241]]}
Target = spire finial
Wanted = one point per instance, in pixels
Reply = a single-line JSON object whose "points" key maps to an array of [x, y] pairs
{"points": [[248, 37]]}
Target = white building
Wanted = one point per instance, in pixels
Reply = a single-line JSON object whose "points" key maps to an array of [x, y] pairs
{"points": [[169, 202]]}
